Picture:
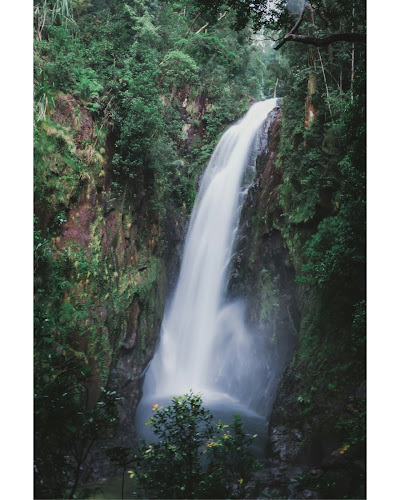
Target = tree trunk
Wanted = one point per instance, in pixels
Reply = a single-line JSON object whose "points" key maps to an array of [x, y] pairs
{"points": [[276, 84], [123, 482], [326, 83]]}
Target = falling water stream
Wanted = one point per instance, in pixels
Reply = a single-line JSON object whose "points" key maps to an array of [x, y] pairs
{"points": [[205, 345]]}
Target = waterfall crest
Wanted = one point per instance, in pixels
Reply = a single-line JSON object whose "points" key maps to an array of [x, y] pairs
{"points": [[204, 342]]}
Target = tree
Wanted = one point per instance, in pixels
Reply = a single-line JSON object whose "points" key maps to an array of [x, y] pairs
{"points": [[192, 457], [122, 458], [66, 427], [336, 21]]}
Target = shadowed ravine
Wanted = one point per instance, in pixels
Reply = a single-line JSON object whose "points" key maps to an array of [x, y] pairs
{"points": [[205, 344]]}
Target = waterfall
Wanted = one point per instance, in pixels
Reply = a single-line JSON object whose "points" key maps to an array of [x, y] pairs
{"points": [[204, 342]]}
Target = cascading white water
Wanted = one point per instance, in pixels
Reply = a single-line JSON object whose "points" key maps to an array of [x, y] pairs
{"points": [[204, 343]]}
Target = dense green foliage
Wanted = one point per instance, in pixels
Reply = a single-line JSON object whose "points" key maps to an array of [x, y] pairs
{"points": [[132, 63], [322, 202], [192, 456], [322, 17], [66, 425], [323, 191]]}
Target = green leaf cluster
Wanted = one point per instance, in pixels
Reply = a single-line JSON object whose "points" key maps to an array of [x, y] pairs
{"points": [[66, 424], [193, 457]]}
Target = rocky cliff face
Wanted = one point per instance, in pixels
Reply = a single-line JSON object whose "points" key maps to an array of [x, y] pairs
{"points": [[261, 269], [317, 389], [117, 258], [118, 273]]}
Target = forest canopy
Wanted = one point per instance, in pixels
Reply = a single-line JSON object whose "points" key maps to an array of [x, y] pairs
{"points": [[322, 22]]}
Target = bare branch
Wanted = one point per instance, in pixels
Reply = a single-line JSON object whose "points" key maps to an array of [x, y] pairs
{"points": [[191, 26], [205, 26], [326, 83]]}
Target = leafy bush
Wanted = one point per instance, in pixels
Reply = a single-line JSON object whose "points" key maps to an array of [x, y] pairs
{"points": [[182, 69], [194, 458]]}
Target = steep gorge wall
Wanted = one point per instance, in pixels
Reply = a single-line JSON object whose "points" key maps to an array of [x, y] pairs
{"points": [[262, 271], [115, 256], [316, 443], [116, 276]]}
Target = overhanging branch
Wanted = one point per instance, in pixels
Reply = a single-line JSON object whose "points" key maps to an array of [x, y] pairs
{"points": [[322, 42], [318, 42], [295, 27]]}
